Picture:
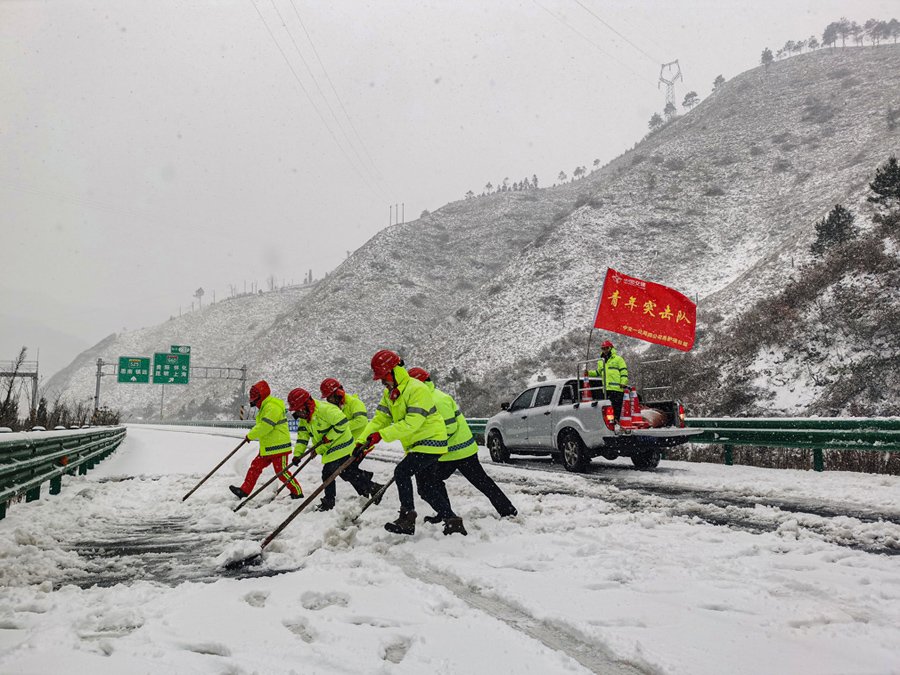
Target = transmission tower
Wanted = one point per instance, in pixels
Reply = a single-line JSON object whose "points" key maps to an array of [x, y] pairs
{"points": [[667, 68]]}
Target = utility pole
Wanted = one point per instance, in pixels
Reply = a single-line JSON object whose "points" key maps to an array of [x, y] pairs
{"points": [[391, 214], [97, 389], [404, 213]]}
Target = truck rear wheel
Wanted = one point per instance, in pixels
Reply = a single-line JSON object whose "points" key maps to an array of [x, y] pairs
{"points": [[647, 460], [572, 451], [499, 451]]}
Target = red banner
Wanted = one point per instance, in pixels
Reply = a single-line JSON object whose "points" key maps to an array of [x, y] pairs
{"points": [[646, 311]]}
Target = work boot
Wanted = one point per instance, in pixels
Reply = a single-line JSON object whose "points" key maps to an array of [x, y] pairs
{"points": [[510, 514], [237, 492], [373, 490], [433, 519], [453, 525], [405, 524], [326, 504], [299, 495]]}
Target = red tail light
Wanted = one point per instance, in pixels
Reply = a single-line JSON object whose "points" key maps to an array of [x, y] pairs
{"points": [[681, 415], [609, 416]]}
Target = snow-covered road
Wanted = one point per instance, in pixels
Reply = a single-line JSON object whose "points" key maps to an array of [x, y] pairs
{"points": [[690, 569]]}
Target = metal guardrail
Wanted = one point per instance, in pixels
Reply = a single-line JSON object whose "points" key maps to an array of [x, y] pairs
{"points": [[27, 460], [816, 434]]}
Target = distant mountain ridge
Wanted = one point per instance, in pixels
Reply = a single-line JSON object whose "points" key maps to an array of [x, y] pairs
{"points": [[493, 291]]}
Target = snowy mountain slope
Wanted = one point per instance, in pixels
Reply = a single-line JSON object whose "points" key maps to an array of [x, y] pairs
{"points": [[720, 204], [727, 194]]}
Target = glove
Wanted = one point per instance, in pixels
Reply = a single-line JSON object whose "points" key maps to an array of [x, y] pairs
{"points": [[359, 451], [373, 440], [296, 460]]}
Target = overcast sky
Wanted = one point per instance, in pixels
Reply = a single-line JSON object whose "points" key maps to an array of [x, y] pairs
{"points": [[151, 148]]}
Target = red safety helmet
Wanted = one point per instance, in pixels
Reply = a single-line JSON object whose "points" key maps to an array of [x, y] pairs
{"points": [[297, 399], [606, 343], [329, 386], [384, 362], [419, 374], [259, 392]]}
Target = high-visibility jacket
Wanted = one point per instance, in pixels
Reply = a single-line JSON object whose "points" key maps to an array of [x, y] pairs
{"points": [[616, 371], [271, 428], [412, 418], [329, 431], [460, 442], [355, 411]]}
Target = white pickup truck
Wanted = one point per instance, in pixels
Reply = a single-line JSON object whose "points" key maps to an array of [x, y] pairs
{"points": [[551, 418]]}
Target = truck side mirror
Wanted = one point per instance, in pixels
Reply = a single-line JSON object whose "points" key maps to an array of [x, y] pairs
{"points": [[504, 405]]}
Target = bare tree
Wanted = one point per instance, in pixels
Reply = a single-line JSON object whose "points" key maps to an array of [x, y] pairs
{"points": [[9, 407], [272, 282]]}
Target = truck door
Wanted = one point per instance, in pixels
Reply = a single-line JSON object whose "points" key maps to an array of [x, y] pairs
{"points": [[540, 423], [515, 426]]}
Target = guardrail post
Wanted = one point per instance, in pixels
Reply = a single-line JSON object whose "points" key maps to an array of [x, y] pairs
{"points": [[33, 494], [729, 457], [2, 510], [82, 469], [56, 485], [818, 460]]}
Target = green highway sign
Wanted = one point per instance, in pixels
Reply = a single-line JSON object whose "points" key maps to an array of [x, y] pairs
{"points": [[180, 349], [171, 368], [134, 369]]}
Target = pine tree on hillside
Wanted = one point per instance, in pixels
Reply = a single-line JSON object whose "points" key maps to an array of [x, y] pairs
{"points": [[766, 58], [886, 185], [836, 228], [718, 82], [655, 122]]}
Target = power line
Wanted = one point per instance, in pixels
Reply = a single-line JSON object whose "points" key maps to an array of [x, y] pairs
{"points": [[588, 10], [312, 103], [322, 94], [349, 119], [593, 44]]}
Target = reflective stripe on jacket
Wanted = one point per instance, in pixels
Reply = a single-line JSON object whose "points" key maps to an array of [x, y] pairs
{"points": [[412, 419], [460, 442], [355, 411], [329, 432], [616, 371], [271, 428]]}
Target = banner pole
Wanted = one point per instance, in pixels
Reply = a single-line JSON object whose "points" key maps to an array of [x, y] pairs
{"points": [[587, 355]]}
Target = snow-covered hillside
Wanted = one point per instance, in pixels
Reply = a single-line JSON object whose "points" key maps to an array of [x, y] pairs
{"points": [[720, 204]]}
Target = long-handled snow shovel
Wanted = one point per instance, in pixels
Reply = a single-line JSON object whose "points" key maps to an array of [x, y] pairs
{"points": [[218, 466], [277, 475], [237, 564], [375, 498]]}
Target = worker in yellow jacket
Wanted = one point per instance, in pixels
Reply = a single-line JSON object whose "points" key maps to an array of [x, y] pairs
{"points": [[354, 409], [271, 430], [407, 413], [462, 451], [327, 428]]}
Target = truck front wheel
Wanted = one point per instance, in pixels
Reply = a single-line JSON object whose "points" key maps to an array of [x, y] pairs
{"points": [[572, 451], [646, 460], [499, 451]]}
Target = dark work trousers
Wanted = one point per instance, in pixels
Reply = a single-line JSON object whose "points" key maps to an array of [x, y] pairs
{"points": [[615, 397], [473, 472], [422, 465], [359, 479]]}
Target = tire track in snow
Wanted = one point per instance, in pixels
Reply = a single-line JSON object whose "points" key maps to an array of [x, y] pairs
{"points": [[551, 634], [834, 523]]}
